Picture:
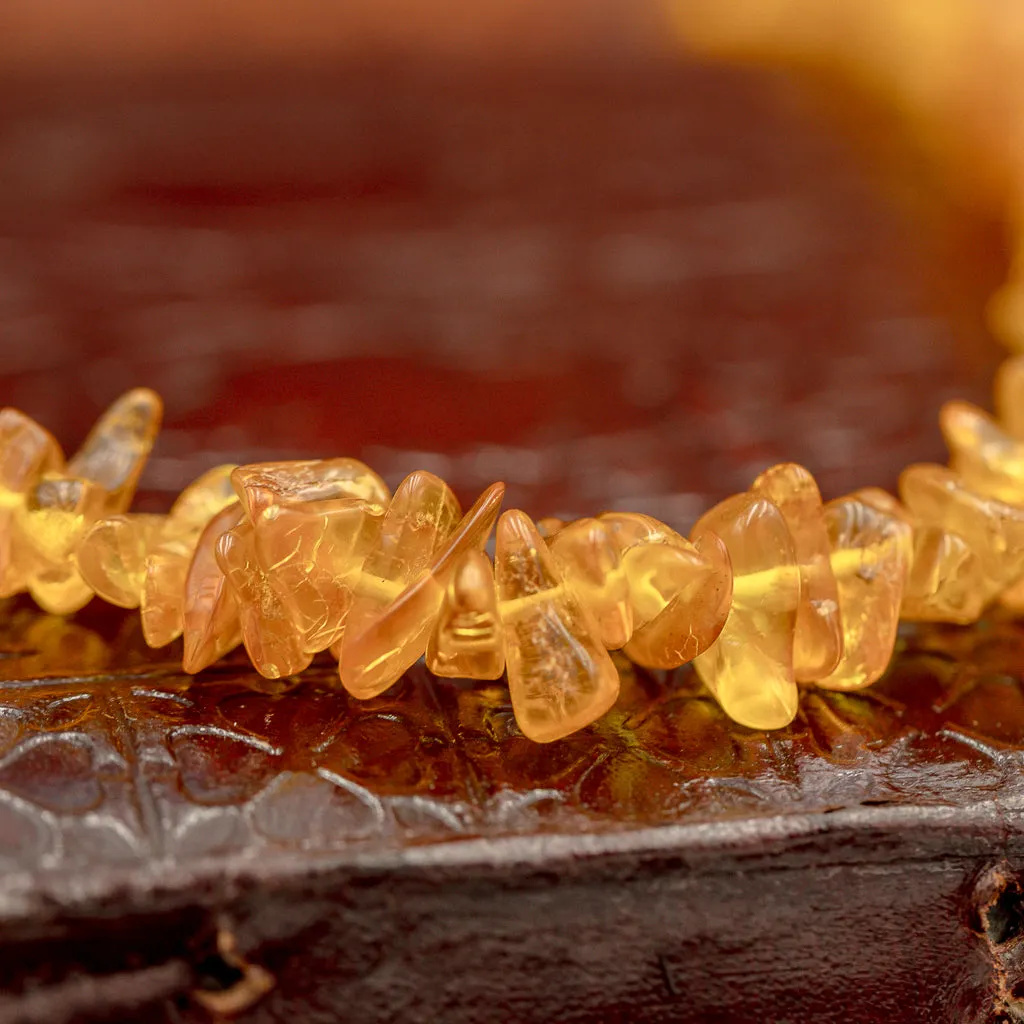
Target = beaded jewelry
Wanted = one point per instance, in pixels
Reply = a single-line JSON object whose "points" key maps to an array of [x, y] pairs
{"points": [[772, 588]]}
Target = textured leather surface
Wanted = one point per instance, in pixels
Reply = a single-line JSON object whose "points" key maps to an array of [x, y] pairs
{"points": [[658, 843]]}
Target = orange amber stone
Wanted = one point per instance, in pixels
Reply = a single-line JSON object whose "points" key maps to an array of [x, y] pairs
{"points": [[467, 642], [945, 581], [749, 668], [117, 447], [654, 560], [312, 554], [210, 616], [269, 635], [819, 633], [549, 526], [1009, 396], [162, 600], [992, 529], [419, 520], [695, 583], [27, 451], [111, 557], [870, 558], [208, 494], [99, 480], [591, 567], [263, 484], [382, 641], [56, 515], [989, 460], [560, 676]]}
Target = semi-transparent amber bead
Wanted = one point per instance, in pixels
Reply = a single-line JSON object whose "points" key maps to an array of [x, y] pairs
{"points": [[992, 529], [312, 554], [695, 584], [55, 517], [204, 497], [466, 641], [422, 515], [269, 635], [116, 450], [263, 484], [1009, 396], [945, 582], [210, 619], [986, 457], [591, 567], [870, 558], [749, 668], [111, 557], [548, 526], [383, 640], [27, 451], [560, 676], [162, 599], [819, 634], [655, 561]]}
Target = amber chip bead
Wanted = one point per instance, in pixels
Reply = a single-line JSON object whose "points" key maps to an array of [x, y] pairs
{"points": [[749, 668], [560, 676], [466, 641], [380, 646], [993, 529], [591, 567], [870, 555], [818, 642], [771, 588]]}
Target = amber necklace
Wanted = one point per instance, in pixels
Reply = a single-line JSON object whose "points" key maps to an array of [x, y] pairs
{"points": [[772, 588]]}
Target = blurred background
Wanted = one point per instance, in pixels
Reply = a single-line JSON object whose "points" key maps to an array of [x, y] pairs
{"points": [[616, 254]]}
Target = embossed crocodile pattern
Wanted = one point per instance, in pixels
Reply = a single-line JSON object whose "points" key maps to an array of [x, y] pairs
{"points": [[110, 757]]}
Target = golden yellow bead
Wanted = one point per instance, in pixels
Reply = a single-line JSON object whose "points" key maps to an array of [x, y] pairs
{"points": [[945, 582], [56, 515], [116, 450], [162, 598], [111, 557], [992, 529], [695, 583], [418, 522], [591, 567], [312, 554], [466, 641], [749, 668], [548, 526], [27, 451], [986, 457], [263, 484], [210, 618], [819, 633], [870, 555], [655, 560], [560, 676], [268, 632], [204, 497], [1009, 396], [383, 639]]}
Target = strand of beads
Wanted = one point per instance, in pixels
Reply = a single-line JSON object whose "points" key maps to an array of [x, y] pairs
{"points": [[772, 588]]}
